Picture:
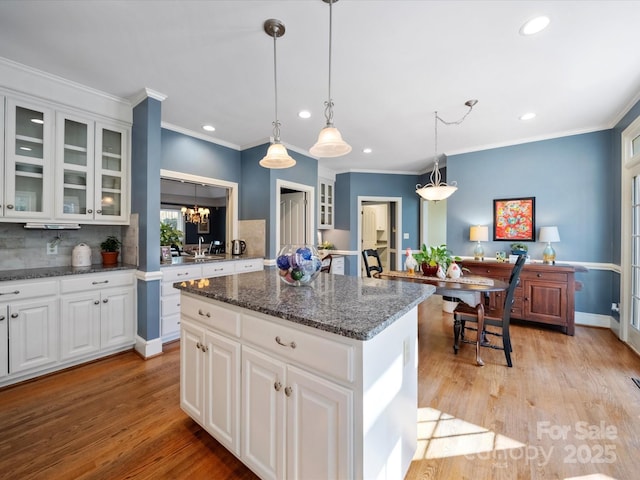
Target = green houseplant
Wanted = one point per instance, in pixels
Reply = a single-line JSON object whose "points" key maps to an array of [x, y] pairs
{"points": [[170, 235], [109, 250], [519, 248], [430, 258]]}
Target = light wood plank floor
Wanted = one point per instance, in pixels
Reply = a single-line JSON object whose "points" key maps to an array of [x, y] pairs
{"points": [[119, 418]]}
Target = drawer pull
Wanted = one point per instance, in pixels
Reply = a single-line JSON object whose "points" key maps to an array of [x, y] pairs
{"points": [[290, 344], [98, 283], [200, 312], [277, 386], [288, 391], [181, 274], [15, 292]]}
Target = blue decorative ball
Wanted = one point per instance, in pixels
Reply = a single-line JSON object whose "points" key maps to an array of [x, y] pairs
{"points": [[283, 262], [305, 252]]}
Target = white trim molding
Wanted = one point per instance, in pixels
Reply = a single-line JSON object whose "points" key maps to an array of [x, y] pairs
{"points": [[148, 348], [148, 276], [593, 320]]}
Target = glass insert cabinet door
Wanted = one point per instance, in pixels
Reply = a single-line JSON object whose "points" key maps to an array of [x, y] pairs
{"points": [[29, 160], [75, 172], [111, 168]]}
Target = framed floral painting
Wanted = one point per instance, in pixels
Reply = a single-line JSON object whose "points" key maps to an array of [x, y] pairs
{"points": [[514, 219]]}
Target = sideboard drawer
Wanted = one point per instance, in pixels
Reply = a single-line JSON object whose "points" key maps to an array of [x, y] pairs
{"points": [[547, 276]]}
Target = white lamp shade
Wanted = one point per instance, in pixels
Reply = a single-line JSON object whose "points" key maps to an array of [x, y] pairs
{"points": [[435, 194], [330, 144], [479, 233], [549, 234], [277, 157]]}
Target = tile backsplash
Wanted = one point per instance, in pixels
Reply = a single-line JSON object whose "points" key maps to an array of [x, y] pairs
{"points": [[21, 248]]}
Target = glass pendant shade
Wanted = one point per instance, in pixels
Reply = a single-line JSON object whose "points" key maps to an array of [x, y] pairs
{"points": [[435, 193], [330, 144], [277, 157]]}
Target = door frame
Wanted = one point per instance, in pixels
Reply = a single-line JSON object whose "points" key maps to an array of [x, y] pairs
{"points": [[310, 210], [398, 226]]}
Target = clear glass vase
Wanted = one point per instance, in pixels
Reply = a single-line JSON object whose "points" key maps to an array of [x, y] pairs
{"points": [[298, 264]]}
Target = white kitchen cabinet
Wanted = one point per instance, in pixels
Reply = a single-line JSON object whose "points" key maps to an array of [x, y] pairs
{"points": [[33, 334], [28, 161], [97, 313], [337, 265], [2, 157], [325, 203], [210, 382], [111, 174], [4, 342]]}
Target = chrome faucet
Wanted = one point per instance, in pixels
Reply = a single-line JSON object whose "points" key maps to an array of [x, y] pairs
{"points": [[200, 254]]}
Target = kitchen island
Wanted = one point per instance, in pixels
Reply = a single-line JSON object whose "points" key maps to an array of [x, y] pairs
{"points": [[305, 382]]}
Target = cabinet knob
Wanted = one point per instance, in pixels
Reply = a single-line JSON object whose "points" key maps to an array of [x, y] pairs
{"points": [[288, 391], [97, 302], [14, 315], [105, 300], [89, 211], [198, 345], [98, 211], [1, 318], [277, 386], [10, 207], [539, 275]]}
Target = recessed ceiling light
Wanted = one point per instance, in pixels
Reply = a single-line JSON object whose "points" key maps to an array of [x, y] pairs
{"points": [[366, 150], [209, 128], [528, 116], [304, 114], [535, 25], [39, 121]]}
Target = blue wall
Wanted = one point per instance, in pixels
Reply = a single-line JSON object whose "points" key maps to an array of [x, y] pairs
{"points": [[572, 180]]}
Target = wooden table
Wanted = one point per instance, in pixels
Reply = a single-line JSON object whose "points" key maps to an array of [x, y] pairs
{"points": [[459, 288]]}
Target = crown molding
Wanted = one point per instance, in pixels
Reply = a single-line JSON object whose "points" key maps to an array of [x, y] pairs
{"points": [[147, 93], [200, 136]]}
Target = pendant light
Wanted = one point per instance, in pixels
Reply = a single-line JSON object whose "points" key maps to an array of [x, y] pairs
{"points": [[436, 190], [277, 155], [195, 214], [330, 143]]}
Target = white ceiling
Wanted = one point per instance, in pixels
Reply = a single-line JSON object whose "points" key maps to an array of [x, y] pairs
{"points": [[394, 64]]}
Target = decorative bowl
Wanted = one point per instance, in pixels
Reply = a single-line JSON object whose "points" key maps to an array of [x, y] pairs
{"points": [[298, 264]]}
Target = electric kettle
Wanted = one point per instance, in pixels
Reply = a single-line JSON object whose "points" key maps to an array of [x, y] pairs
{"points": [[238, 247]]}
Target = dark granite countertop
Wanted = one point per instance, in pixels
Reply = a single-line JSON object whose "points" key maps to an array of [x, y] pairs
{"points": [[353, 307], [45, 272], [222, 257]]}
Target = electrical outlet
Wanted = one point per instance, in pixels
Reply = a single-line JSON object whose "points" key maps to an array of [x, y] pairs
{"points": [[405, 236], [52, 248]]}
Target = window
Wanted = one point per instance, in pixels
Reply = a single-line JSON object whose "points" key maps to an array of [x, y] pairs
{"points": [[174, 217]]}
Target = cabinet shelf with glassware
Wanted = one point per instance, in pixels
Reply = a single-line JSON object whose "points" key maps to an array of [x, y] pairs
{"points": [[26, 190], [92, 171], [325, 203]]}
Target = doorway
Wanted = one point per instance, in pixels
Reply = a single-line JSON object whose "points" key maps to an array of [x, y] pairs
{"points": [[380, 228], [295, 219], [433, 222]]}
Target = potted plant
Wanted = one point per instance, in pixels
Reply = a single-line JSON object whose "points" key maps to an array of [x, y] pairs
{"points": [[169, 235], [109, 250], [430, 258], [519, 248]]}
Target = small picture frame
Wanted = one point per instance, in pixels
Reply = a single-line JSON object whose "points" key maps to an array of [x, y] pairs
{"points": [[203, 227], [165, 253], [514, 219]]}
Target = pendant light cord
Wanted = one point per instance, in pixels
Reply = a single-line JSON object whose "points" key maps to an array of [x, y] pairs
{"points": [[276, 122], [328, 110]]}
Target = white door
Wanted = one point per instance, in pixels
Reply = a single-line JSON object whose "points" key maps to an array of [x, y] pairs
{"points": [[368, 227], [319, 428], [33, 334], [293, 218], [4, 342], [222, 390], [116, 317], [263, 384], [633, 327], [192, 371]]}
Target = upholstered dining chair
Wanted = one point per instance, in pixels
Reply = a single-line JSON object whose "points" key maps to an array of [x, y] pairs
{"points": [[372, 261], [493, 318], [326, 263]]}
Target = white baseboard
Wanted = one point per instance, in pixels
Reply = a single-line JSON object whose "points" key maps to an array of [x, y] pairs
{"points": [[593, 320], [148, 348]]}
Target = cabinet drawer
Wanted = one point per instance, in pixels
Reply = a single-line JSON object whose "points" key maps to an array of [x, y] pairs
{"points": [[170, 305], [170, 324], [167, 289], [18, 291], [80, 283], [213, 316], [242, 266], [547, 276], [217, 269], [321, 354], [175, 274]]}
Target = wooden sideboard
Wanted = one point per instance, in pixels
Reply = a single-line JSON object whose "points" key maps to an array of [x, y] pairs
{"points": [[545, 293]]}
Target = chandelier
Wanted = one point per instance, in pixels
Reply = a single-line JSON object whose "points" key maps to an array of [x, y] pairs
{"points": [[196, 214], [437, 190]]}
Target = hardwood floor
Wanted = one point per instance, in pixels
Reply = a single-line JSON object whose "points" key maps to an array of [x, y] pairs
{"points": [[119, 418]]}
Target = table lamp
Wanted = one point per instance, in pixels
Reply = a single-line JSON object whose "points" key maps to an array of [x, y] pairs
{"points": [[479, 233], [549, 234]]}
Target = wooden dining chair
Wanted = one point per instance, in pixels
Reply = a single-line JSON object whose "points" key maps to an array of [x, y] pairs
{"points": [[326, 264], [491, 317], [369, 256]]}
